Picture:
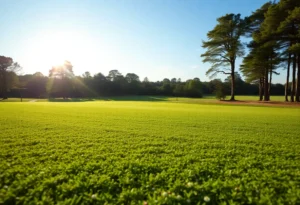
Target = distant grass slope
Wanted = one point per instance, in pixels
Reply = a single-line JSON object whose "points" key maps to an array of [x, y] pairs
{"points": [[23, 100], [155, 152]]}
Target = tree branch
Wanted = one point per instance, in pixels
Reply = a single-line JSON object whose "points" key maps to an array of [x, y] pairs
{"points": [[220, 71], [224, 57]]}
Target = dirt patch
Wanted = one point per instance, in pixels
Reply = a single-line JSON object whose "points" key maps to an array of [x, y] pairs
{"points": [[261, 103]]}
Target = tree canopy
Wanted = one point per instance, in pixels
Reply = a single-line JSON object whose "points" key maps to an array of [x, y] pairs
{"points": [[7, 75]]}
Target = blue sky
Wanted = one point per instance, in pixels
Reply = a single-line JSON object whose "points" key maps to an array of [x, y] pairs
{"points": [[153, 38]]}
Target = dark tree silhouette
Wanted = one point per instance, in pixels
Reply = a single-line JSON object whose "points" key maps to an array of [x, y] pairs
{"points": [[7, 68], [60, 84]]}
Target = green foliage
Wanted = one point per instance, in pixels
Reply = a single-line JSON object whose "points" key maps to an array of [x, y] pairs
{"points": [[12, 80], [158, 152], [8, 78], [254, 21], [193, 88], [220, 90]]}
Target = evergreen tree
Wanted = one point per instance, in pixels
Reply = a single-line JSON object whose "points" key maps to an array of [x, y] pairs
{"points": [[224, 46]]}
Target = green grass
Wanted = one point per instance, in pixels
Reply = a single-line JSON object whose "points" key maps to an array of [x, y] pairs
{"points": [[120, 152]]}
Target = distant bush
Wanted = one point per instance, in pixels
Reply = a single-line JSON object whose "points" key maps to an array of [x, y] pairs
{"points": [[220, 91]]}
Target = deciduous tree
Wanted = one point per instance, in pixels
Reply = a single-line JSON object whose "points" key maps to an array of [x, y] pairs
{"points": [[7, 67]]}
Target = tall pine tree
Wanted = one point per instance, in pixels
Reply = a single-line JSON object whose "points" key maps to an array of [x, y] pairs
{"points": [[223, 47]]}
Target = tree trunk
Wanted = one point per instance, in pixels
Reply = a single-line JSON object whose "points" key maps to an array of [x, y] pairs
{"points": [[286, 89], [270, 83], [4, 88], [1, 84], [64, 83], [293, 79], [261, 89], [266, 85], [232, 82], [21, 96], [298, 80]]}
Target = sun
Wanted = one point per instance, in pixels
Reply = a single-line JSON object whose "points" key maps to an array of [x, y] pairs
{"points": [[86, 53], [53, 48]]}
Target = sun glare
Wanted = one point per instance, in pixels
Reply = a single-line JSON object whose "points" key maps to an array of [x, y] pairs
{"points": [[53, 48], [48, 49]]}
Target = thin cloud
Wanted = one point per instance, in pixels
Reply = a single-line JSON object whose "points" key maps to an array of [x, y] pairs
{"points": [[195, 66]]}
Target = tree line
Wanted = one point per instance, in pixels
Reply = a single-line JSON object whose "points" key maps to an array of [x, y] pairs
{"points": [[274, 34], [62, 83]]}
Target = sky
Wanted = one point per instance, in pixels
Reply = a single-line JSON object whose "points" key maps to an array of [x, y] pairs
{"points": [[152, 38]]}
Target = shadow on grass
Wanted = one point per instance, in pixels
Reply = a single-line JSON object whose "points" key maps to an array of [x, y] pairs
{"points": [[231, 101], [134, 98], [70, 100], [115, 98]]}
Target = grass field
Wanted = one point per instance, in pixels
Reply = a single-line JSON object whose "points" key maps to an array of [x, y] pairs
{"points": [[125, 152]]}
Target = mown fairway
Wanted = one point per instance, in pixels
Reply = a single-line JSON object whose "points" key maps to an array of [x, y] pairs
{"points": [[154, 152]]}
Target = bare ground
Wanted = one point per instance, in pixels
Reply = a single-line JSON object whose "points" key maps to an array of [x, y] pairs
{"points": [[261, 103]]}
